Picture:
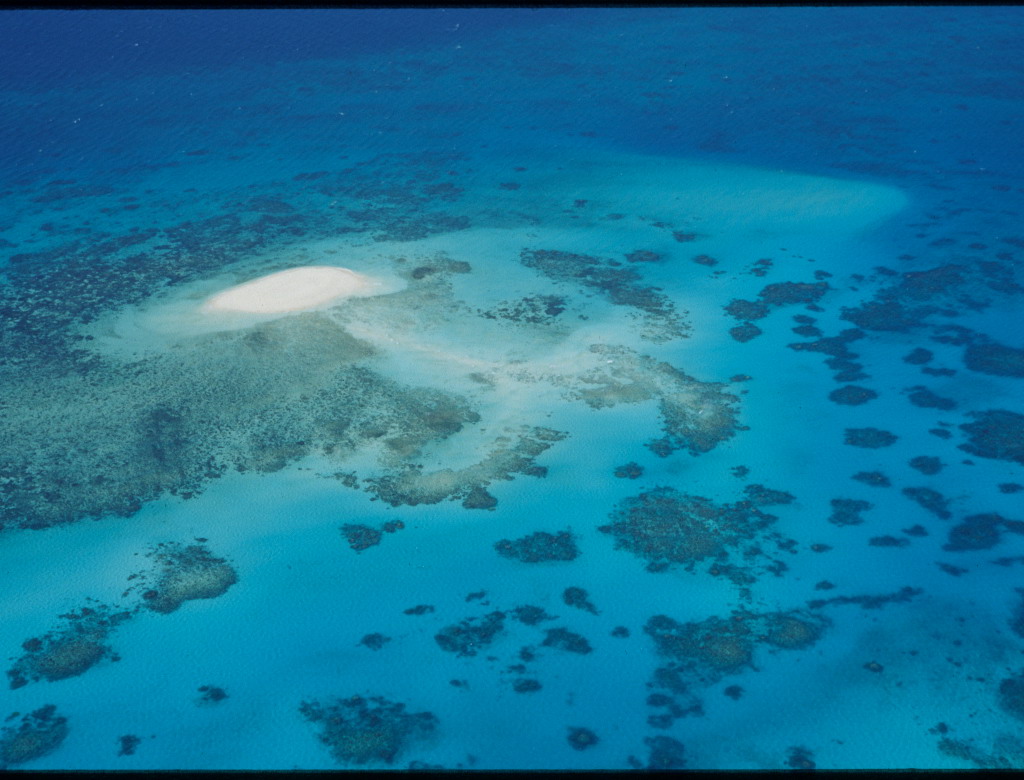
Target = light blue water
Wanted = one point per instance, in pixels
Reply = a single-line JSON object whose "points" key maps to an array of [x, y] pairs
{"points": [[149, 160]]}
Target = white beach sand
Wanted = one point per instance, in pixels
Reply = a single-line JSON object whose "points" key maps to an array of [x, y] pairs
{"points": [[295, 289]]}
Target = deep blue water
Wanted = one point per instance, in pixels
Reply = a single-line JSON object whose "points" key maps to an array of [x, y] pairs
{"points": [[679, 422]]}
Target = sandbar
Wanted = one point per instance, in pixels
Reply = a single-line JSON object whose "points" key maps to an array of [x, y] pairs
{"points": [[295, 289]]}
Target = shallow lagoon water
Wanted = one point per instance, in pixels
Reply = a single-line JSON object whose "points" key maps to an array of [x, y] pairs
{"points": [[640, 276]]}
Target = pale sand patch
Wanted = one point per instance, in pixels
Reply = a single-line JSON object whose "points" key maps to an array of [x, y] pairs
{"points": [[296, 289]]}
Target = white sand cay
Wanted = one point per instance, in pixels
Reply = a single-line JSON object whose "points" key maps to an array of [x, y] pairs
{"points": [[296, 289]]}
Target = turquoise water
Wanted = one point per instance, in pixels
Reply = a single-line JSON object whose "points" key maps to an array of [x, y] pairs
{"points": [[711, 314]]}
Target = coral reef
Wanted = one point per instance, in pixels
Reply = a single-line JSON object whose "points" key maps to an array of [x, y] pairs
{"points": [[186, 573], [666, 527], [577, 597], [978, 532], [362, 731], [69, 651], [563, 639], [871, 438], [918, 356], [989, 357], [621, 286], [526, 685], [212, 694], [540, 546], [798, 757], [873, 478], [841, 358], [666, 753], [928, 465], [530, 615], [374, 641], [629, 470], [995, 433], [127, 744], [929, 499], [715, 647], [1011, 695], [846, 511], [581, 738], [411, 485], [906, 593], [696, 416], [926, 399], [852, 395], [532, 310], [361, 537], [745, 332], [470, 635], [40, 732]]}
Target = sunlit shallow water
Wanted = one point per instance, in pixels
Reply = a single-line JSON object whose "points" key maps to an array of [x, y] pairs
{"points": [[677, 424]]}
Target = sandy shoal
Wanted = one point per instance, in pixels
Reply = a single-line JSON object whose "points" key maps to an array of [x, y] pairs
{"points": [[293, 290]]}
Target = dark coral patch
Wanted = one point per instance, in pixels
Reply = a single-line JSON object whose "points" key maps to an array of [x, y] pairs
{"points": [[747, 310], [535, 310], [540, 546], [995, 433], [846, 511], [887, 315], [977, 532], [577, 597], [630, 470], [665, 526], [926, 464], [40, 732], [1011, 695], [621, 286], [67, 652], [800, 758], [212, 694], [745, 332], [530, 615], [786, 293], [716, 646], [759, 495], [873, 478], [888, 541], [790, 632], [188, 572], [988, 357], [906, 593], [841, 357], [361, 537], [362, 731], [871, 438], [852, 395], [918, 356], [582, 738], [419, 609], [643, 256], [471, 635], [479, 498], [929, 499], [526, 685], [666, 753], [374, 641], [684, 238], [563, 639], [925, 398]]}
